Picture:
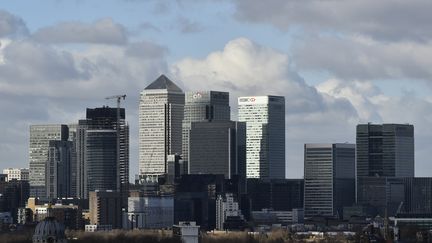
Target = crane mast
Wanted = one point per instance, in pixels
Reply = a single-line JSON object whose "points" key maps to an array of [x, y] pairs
{"points": [[119, 98]]}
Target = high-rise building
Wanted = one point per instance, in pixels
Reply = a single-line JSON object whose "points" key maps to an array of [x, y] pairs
{"points": [[20, 174], [265, 135], [106, 208], [385, 150], [97, 165], [203, 106], [329, 178], [160, 125], [58, 169], [217, 147], [73, 167], [40, 135]]}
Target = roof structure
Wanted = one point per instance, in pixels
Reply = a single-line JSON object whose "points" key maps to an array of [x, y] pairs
{"points": [[164, 83]]}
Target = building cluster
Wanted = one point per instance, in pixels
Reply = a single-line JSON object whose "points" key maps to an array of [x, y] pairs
{"points": [[198, 165]]}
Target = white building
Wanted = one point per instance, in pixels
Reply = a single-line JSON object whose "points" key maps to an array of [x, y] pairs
{"points": [[226, 207], [20, 174], [149, 212], [160, 125], [187, 231], [265, 135]]}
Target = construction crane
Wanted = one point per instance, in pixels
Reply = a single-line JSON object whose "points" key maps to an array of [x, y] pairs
{"points": [[119, 98]]}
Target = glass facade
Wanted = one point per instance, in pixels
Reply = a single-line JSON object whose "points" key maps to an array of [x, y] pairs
{"points": [[265, 135]]}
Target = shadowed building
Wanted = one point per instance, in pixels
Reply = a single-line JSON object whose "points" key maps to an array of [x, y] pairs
{"points": [[329, 178]]}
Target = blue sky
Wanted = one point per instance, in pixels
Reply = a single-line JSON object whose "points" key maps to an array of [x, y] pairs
{"points": [[338, 63]]}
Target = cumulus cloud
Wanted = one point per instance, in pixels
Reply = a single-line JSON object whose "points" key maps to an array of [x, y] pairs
{"points": [[11, 25], [103, 31], [354, 57], [387, 20]]}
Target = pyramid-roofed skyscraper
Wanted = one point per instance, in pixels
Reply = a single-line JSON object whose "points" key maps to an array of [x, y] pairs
{"points": [[160, 125]]}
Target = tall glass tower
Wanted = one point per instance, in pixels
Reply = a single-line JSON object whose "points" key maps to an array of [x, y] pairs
{"points": [[40, 135], [160, 125], [202, 106], [265, 135]]}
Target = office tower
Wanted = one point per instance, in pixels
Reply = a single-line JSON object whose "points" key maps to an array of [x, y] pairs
{"points": [[217, 147], [20, 174], [203, 106], [385, 150], [97, 167], [160, 125], [106, 208], [58, 182], [13, 195], [40, 135], [265, 135], [329, 178], [73, 166]]}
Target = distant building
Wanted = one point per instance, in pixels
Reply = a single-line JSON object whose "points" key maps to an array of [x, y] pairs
{"points": [[40, 135], [329, 174], [105, 208], [150, 212], [270, 217], [58, 169], [217, 147], [13, 195], [187, 232], [49, 230], [265, 135], [277, 194], [98, 167], [203, 106], [385, 150], [160, 125], [226, 207], [195, 198], [20, 174]]}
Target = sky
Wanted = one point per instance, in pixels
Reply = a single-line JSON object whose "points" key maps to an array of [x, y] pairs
{"points": [[338, 63]]}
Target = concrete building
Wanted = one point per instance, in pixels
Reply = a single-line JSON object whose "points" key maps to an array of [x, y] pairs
{"points": [[20, 174], [98, 167], [58, 182], [226, 206], [160, 125], [149, 212], [106, 208], [40, 135], [265, 135], [385, 150], [203, 106], [187, 232], [329, 178], [217, 147]]}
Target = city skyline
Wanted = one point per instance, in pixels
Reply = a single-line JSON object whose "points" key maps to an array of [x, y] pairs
{"points": [[54, 66]]}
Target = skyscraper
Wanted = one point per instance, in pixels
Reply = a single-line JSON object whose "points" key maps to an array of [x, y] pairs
{"points": [[203, 106], [160, 125], [97, 166], [329, 178], [385, 150], [265, 135], [40, 135], [58, 169], [218, 147]]}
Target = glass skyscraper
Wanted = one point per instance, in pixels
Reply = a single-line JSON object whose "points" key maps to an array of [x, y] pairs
{"points": [[40, 135], [265, 135], [329, 178], [160, 125], [203, 106], [385, 150]]}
